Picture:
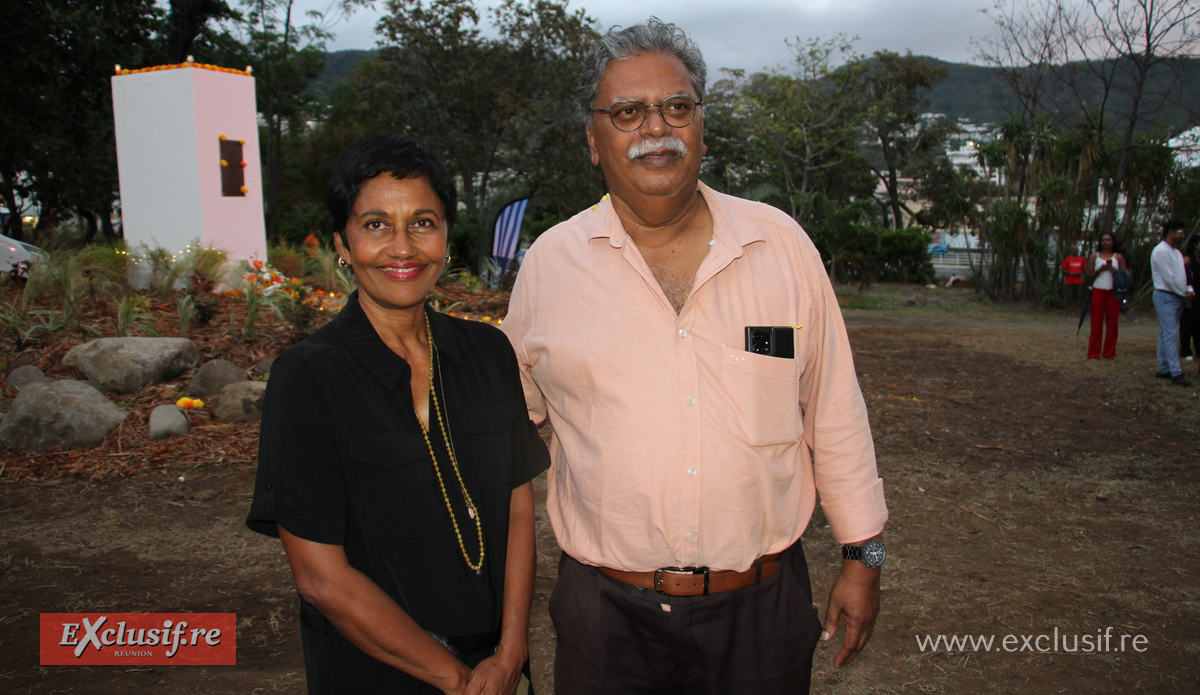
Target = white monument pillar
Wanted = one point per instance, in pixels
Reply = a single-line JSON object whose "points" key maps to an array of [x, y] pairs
{"points": [[187, 154]]}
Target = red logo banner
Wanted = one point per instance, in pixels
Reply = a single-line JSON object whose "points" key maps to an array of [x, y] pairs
{"points": [[99, 639]]}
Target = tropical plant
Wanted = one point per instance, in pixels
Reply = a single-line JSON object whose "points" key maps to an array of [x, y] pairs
{"points": [[321, 268], [207, 268], [185, 307], [256, 300], [134, 311]]}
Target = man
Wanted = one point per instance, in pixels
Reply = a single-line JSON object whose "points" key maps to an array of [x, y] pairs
{"points": [[1072, 267], [1171, 292], [689, 352]]}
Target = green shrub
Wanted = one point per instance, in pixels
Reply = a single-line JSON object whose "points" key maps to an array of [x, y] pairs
{"points": [[288, 260], [134, 311]]}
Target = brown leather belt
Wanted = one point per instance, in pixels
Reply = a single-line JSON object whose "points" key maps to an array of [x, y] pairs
{"points": [[697, 581]]}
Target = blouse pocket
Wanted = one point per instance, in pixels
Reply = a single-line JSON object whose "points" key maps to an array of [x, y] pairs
{"points": [[393, 486], [489, 442], [764, 397], [492, 418]]}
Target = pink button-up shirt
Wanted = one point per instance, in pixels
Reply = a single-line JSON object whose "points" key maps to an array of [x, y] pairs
{"points": [[673, 446]]}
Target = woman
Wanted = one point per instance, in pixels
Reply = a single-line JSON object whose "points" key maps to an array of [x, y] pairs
{"points": [[1101, 266], [396, 456], [1189, 322]]}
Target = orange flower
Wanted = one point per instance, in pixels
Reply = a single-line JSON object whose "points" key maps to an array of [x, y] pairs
{"points": [[257, 264], [189, 403]]}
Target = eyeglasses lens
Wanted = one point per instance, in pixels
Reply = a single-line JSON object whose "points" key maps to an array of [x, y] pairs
{"points": [[629, 115]]}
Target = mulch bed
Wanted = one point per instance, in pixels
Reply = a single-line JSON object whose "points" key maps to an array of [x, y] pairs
{"points": [[128, 449]]}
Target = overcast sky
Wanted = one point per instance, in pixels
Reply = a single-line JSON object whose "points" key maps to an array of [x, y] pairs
{"points": [[751, 35]]}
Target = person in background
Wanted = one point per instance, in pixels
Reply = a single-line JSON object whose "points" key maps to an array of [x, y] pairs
{"points": [[396, 455], [1072, 267], [1101, 266], [1123, 278], [1171, 294], [1189, 323]]}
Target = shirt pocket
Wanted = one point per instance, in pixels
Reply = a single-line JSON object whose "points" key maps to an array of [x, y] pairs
{"points": [[394, 491], [763, 397], [489, 442]]}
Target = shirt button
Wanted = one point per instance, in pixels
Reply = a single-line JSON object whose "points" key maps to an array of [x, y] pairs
{"points": [[682, 333], [691, 401], [691, 471], [690, 537]]}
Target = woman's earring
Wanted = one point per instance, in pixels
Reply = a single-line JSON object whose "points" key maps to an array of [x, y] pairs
{"points": [[342, 262], [447, 258]]}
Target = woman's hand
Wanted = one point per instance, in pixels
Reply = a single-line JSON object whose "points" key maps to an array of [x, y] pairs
{"points": [[498, 674]]}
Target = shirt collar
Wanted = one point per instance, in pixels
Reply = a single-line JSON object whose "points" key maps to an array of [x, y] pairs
{"points": [[725, 232], [365, 345]]}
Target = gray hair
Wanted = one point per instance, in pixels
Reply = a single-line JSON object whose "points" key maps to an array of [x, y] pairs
{"points": [[655, 36]]}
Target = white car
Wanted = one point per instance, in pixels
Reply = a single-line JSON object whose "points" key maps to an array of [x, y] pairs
{"points": [[13, 252]]}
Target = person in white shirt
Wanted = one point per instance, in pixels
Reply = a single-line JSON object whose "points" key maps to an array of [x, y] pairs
{"points": [[1171, 293]]}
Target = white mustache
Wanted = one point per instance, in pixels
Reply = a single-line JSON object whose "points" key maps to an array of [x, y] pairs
{"points": [[641, 148]]}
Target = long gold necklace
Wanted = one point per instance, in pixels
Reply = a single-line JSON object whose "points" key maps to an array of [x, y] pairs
{"points": [[471, 510]]}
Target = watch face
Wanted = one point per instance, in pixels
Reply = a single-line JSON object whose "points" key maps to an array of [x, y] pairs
{"points": [[872, 553]]}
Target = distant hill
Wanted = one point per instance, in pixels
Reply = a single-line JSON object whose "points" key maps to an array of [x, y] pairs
{"points": [[981, 95], [339, 65], [978, 94]]}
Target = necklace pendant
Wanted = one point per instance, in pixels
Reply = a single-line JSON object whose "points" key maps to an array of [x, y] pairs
{"points": [[471, 512], [479, 571]]}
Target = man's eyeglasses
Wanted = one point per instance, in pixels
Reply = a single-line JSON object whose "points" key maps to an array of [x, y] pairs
{"points": [[628, 116]]}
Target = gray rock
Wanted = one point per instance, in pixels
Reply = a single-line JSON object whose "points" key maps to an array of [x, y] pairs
{"points": [[21, 377], [65, 414], [125, 365], [263, 367], [213, 376], [22, 359], [241, 402], [167, 421]]}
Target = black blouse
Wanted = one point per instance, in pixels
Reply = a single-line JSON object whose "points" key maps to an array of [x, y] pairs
{"points": [[342, 461]]}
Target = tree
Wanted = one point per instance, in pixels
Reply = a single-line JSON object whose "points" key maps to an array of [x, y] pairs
{"points": [[807, 123], [285, 57], [1116, 62], [784, 137], [56, 136], [892, 84], [498, 111], [186, 21]]}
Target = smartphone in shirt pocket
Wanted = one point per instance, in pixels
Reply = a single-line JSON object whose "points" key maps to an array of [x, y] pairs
{"points": [[773, 341]]}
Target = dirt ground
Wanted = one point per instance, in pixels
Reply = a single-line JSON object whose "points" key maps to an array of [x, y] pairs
{"points": [[1031, 492]]}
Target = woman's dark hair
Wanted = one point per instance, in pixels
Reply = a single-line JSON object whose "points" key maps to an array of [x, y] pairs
{"points": [[1110, 235], [1190, 247], [398, 155]]}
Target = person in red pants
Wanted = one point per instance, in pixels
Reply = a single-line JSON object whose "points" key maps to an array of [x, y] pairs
{"points": [[1101, 266]]}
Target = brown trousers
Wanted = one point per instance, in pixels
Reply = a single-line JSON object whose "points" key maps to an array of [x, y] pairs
{"points": [[617, 638]]}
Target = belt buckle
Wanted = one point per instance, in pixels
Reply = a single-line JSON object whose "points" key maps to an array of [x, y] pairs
{"points": [[658, 576]]}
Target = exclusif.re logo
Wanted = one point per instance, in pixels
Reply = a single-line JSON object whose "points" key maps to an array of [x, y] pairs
{"points": [[97, 639]]}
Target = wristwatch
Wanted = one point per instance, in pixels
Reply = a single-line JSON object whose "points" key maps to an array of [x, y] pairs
{"points": [[871, 553]]}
